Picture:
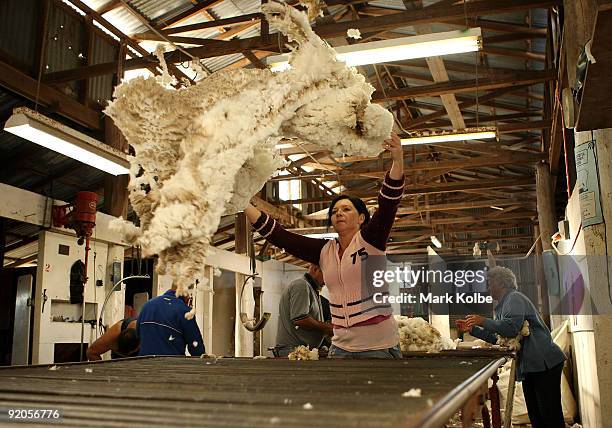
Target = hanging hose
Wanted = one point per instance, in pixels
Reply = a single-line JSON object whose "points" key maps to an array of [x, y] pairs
{"points": [[146, 276]]}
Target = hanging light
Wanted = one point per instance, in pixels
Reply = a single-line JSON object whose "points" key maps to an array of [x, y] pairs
{"points": [[432, 137], [403, 48], [436, 241], [46, 132]]}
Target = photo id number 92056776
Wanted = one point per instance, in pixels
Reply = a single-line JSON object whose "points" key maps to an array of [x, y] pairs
{"points": [[30, 414]]}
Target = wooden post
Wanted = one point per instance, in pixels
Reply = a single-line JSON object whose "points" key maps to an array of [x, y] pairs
{"points": [[547, 221], [540, 278], [546, 205], [243, 339], [495, 406], [115, 187]]}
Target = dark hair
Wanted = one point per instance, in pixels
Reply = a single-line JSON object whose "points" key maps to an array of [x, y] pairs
{"points": [[128, 341], [359, 205]]}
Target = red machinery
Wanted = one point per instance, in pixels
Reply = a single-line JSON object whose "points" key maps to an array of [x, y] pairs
{"points": [[80, 216]]}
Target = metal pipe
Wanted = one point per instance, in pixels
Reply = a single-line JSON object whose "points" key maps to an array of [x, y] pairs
{"points": [[83, 305], [442, 411], [145, 276]]}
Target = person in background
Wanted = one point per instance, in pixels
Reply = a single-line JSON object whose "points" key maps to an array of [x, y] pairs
{"points": [[540, 360], [164, 330], [362, 327], [301, 319], [121, 339]]}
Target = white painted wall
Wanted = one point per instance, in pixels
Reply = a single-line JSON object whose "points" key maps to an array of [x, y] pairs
{"points": [[53, 274]]}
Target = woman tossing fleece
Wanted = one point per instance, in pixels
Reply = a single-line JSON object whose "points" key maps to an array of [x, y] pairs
{"points": [[362, 327]]}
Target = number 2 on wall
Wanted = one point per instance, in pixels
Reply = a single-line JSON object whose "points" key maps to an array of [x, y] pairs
{"points": [[47, 267]]}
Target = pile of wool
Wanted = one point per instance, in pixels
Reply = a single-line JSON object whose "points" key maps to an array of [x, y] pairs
{"points": [[204, 150], [304, 353], [417, 335], [514, 343]]}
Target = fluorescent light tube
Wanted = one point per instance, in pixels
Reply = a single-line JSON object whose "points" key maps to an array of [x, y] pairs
{"points": [[403, 48], [436, 241], [53, 135], [433, 137]]}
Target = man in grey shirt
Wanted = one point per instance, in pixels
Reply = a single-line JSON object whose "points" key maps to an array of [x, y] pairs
{"points": [[540, 360], [300, 314]]}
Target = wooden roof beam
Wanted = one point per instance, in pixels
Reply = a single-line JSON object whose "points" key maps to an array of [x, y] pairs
{"points": [[201, 6], [472, 85], [217, 48], [22, 84]]}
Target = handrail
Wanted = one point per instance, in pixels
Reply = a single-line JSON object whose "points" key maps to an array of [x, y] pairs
{"points": [[444, 409]]}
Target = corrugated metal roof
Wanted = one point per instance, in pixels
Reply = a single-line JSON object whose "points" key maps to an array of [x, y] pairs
{"points": [[153, 9], [231, 8], [18, 27], [101, 87]]}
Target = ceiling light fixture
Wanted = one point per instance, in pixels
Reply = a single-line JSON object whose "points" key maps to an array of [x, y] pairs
{"points": [[436, 241], [403, 48], [432, 137], [39, 129]]}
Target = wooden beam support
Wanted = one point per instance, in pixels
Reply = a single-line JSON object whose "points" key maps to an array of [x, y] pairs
{"points": [[463, 105], [115, 187], [463, 205], [200, 26], [22, 84], [428, 16], [510, 157], [453, 186], [472, 85], [403, 19], [111, 5], [161, 24]]}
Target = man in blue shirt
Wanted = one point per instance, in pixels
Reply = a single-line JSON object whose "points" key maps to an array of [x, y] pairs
{"points": [[164, 330], [540, 360]]}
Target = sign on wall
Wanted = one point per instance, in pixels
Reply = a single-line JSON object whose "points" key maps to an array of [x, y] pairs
{"points": [[587, 183]]}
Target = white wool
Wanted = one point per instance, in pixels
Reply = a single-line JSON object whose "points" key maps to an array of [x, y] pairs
{"points": [[479, 343], [189, 316], [417, 335], [307, 406], [514, 343], [88, 370], [353, 33], [165, 79], [413, 392], [217, 272], [260, 357], [54, 368], [304, 353], [203, 151]]}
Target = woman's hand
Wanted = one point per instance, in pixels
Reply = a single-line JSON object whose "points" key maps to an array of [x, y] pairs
{"points": [[394, 146], [473, 320], [462, 326], [252, 213]]}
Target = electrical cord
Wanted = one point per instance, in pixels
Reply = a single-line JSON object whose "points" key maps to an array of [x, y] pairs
{"points": [[100, 324]]}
